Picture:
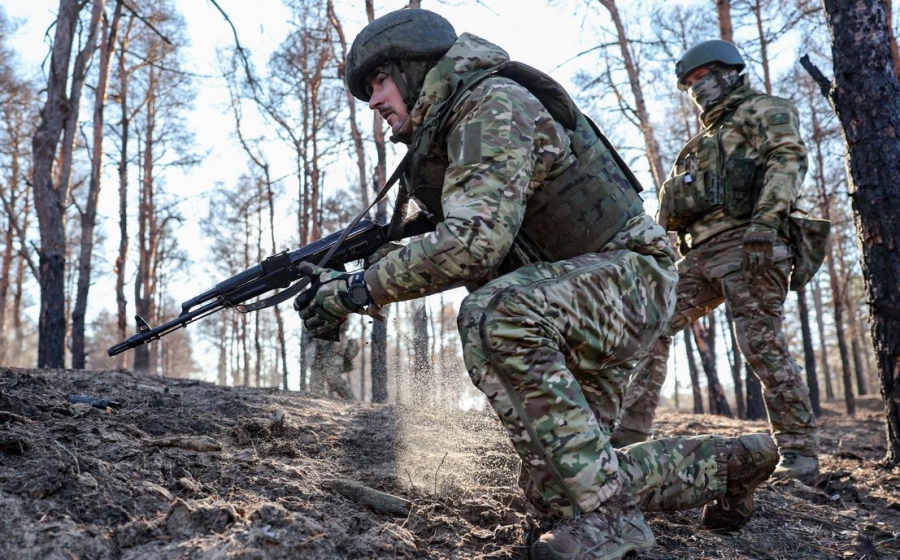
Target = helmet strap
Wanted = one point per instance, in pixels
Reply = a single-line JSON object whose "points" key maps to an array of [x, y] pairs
{"points": [[414, 72]]}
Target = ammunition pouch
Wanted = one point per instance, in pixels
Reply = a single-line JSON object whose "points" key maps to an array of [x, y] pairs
{"points": [[741, 190]]}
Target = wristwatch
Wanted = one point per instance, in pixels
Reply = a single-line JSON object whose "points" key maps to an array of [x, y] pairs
{"points": [[357, 289]]}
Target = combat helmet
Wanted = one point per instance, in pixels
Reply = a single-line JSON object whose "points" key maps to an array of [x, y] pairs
{"points": [[408, 37], [708, 52]]}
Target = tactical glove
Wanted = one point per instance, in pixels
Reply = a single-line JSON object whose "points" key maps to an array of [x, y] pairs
{"points": [[759, 241], [332, 296]]}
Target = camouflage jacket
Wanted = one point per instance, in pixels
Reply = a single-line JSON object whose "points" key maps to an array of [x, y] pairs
{"points": [[746, 166], [501, 144]]}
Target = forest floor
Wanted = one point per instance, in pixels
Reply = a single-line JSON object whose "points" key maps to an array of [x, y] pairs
{"points": [[190, 470]]}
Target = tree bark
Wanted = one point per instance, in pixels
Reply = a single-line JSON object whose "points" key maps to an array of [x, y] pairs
{"points": [[809, 355], [379, 328], [756, 406], [726, 31], [866, 98], [50, 198], [706, 339], [837, 296], [737, 365], [693, 371]]}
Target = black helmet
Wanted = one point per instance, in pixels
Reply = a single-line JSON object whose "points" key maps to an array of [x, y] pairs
{"points": [[707, 52], [410, 34]]}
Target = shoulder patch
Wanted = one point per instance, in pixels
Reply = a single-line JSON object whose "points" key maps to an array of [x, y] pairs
{"points": [[778, 118]]}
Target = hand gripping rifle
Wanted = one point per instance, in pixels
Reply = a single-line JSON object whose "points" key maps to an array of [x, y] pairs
{"points": [[276, 272]]}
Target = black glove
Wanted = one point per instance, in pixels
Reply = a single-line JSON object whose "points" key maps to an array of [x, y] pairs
{"points": [[758, 249], [332, 296]]}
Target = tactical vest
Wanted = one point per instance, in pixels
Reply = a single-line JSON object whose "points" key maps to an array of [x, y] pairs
{"points": [[577, 212], [704, 179]]}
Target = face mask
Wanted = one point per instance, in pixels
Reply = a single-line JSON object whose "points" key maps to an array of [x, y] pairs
{"points": [[707, 92], [711, 89]]}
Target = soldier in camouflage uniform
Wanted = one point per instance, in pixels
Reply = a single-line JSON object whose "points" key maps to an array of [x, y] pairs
{"points": [[331, 361], [569, 279], [728, 197]]}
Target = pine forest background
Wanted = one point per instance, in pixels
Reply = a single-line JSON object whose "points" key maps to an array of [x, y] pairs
{"points": [[109, 114]]}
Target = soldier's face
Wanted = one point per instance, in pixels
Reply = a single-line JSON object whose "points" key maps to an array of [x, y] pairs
{"points": [[387, 100]]}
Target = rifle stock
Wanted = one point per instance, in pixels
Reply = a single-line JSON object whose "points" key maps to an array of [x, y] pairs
{"points": [[276, 272]]}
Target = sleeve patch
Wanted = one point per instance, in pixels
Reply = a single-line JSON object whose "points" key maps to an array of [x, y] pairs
{"points": [[471, 143]]}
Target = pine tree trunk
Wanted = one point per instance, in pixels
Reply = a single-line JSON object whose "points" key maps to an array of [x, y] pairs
{"points": [[50, 199], [706, 339], [809, 355], [820, 323], [693, 371], [737, 363], [866, 98]]}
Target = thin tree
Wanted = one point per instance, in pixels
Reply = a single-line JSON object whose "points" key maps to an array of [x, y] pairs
{"points": [[705, 337], [737, 366], [823, 345], [18, 112], [379, 373], [693, 371], [57, 124], [109, 37]]}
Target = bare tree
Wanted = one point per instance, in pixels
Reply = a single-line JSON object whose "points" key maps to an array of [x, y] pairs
{"points": [[109, 37], [640, 111], [379, 177], [723, 10], [705, 336], [18, 112], [737, 366], [865, 94], [58, 119], [153, 95], [693, 370]]}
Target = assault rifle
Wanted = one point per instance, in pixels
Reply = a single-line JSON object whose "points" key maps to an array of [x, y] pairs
{"points": [[276, 272]]}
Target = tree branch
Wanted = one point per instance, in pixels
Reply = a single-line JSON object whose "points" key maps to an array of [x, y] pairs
{"points": [[817, 76]]}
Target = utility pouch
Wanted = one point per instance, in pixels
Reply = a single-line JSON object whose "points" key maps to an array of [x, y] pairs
{"points": [[740, 180], [689, 198], [809, 240]]}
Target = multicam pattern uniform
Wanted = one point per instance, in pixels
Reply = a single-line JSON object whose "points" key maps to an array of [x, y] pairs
{"points": [[550, 344], [748, 127]]}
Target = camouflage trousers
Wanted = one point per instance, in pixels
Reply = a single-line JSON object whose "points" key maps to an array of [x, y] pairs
{"points": [[708, 276], [669, 474], [552, 345]]}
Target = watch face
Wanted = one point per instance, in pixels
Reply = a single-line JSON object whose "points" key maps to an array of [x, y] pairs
{"points": [[359, 295]]}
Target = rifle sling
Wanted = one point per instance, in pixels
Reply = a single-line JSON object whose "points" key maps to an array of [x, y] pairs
{"points": [[302, 283]]}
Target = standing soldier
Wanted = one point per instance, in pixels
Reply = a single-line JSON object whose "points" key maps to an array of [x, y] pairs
{"points": [[728, 198], [331, 363], [570, 281]]}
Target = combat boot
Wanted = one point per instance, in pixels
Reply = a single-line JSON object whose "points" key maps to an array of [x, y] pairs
{"points": [[752, 461], [624, 436], [610, 532], [804, 468]]}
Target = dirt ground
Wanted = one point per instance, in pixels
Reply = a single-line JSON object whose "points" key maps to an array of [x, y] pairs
{"points": [[189, 470]]}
